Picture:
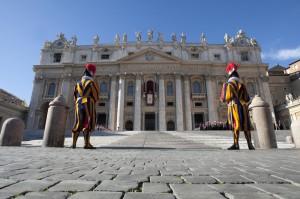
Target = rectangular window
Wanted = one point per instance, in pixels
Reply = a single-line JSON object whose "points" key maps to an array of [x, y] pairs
{"points": [[244, 56], [57, 57], [170, 104], [130, 53], [217, 56], [169, 53], [197, 104], [105, 56], [195, 55], [101, 104], [83, 57], [129, 103]]}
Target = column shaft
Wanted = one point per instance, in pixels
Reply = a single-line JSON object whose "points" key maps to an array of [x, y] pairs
{"points": [[162, 105], [179, 112], [120, 110], [112, 104], [188, 112], [211, 98], [137, 104]]}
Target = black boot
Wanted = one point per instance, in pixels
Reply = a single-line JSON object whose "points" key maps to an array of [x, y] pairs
{"points": [[250, 146], [234, 147]]}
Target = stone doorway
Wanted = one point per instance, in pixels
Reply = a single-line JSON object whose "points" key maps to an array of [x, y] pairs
{"points": [[101, 119], [150, 121], [170, 126], [198, 119]]}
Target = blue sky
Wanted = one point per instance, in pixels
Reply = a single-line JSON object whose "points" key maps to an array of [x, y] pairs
{"points": [[25, 25]]}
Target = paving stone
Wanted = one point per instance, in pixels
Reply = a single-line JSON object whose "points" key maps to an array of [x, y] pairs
{"points": [[234, 188], [133, 178], [265, 179], [97, 195], [28, 185], [45, 195], [60, 177], [149, 172], [232, 179], [165, 179], [7, 195], [115, 185], [289, 178], [73, 185], [155, 188], [200, 179], [97, 177], [148, 196], [282, 190], [255, 195], [6, 182], [194, 191], [175, 173]]}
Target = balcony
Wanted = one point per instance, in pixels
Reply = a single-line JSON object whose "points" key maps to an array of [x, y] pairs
{"points": [[198, 95]]}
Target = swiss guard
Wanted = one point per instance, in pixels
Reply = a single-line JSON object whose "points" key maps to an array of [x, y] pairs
{"points": [[86, 94], [235, 94]]}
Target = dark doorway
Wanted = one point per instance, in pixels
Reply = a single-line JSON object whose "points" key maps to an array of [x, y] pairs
{"points": [[43, 115], [149, 121], [129, 126], [101, 119], [170, 126], [198, 119]]}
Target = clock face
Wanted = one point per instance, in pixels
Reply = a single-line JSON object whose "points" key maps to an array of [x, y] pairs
{"points": [[58, 44]]}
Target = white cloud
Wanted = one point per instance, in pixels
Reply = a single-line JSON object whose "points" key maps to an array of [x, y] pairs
{"points": [[283, 54]]}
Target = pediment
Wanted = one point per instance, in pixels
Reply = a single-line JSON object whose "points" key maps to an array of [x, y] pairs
{"points": [[150, 55]]}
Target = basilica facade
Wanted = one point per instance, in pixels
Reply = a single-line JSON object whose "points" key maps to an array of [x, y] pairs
{"points": [[150, 83]]}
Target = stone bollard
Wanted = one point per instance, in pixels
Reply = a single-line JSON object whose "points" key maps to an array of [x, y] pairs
{"points": [[54, 134], [295, 127], [265, 135], [12, 132]]}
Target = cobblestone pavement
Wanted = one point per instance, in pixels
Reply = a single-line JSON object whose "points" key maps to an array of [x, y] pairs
{"points": [[149, 167]]}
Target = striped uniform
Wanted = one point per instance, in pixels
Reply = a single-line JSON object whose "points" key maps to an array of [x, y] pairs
{"points": [[235, 94], [86, 94]]}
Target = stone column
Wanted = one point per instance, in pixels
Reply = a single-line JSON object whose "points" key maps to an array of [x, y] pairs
{"points": [[12, 132], [36, 94], [265, 137], [179, 111], [187, 99], [295, 128], [162, 104], [120, 110], [137, 104], [211, 98], [54, 134], [112, 104]]}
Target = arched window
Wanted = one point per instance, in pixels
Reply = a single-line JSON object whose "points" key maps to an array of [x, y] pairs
{"points": [[130, 89], [51, 90], [170, 90], [129, 125], [150, 86], [196, 87], [170, 126], [103, 87], [251, 89]]}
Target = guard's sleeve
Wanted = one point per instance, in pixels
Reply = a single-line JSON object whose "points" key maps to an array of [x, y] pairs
{"points": [[75, 92], [95, 90], [228, 93], [245, 95]]}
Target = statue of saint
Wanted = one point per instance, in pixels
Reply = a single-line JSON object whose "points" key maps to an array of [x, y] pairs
{"points": [[96, 40], [138, 36], [173, 37], [125, 38], [117, 39], [150, 35], [183, 38], [160, 37], [74, 40]]}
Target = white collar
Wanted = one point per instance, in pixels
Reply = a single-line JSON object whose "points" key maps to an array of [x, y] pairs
{"points": [[87, 77], [234, 78]]}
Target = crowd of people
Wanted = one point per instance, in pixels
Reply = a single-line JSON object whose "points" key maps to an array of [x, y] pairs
{"points": [[216, 125]]}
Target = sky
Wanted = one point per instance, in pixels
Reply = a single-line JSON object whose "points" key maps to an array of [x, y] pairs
{"points": [[26, 25]]}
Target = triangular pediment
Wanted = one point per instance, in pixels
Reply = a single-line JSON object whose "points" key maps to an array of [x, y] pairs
{"points": [[150, 55]]}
